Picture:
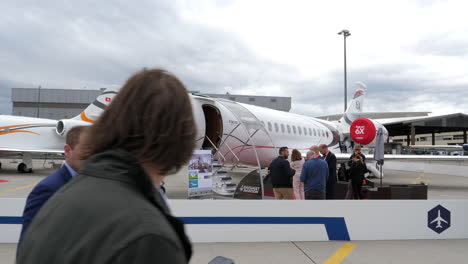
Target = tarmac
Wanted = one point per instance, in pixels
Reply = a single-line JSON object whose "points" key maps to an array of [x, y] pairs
{"points": [[362, 252], [408, 251]]}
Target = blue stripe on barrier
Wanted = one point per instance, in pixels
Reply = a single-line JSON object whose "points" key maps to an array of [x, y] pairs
{"points": [[14, 220], [335, 226]]}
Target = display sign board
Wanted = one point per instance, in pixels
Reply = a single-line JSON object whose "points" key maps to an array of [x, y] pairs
{"points": [[200, 174], [249, 187]]}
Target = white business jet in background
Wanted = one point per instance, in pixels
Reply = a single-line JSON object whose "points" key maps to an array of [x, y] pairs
{"points": [[23, 136], [237, 133], [247, 134]]}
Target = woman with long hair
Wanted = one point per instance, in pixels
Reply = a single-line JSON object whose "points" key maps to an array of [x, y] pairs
{"points": [[356, 172], [296, 164], [114, 210]]}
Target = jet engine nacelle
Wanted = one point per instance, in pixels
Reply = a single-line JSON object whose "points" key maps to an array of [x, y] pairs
{"points": [[364, 131], [63, 126]]}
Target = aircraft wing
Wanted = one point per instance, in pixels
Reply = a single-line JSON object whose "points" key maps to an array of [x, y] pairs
{"points": [[345, 156], [389, 121], [31, 150]]}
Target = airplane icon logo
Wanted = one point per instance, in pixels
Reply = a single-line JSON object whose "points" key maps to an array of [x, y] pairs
{"points": [[438, 219]]}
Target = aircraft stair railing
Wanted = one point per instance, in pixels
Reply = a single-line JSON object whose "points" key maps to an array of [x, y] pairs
{"points": [[246, 145], [232, 152], [216, 150], [251, 125]]}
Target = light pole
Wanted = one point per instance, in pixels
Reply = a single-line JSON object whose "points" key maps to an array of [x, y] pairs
{"points": [[345, 34], [38, 100]]}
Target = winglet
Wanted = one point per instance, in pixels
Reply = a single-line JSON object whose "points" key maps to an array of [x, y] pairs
{"points": [[94, 110], [356, 104]]}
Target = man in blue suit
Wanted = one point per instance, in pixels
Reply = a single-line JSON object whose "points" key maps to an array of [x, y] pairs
{"points": [[48, 186]]}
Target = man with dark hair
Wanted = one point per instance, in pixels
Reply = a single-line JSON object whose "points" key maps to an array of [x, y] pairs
{"points": [[281, 176], [314, 176], [330, 158], [48, 186]]}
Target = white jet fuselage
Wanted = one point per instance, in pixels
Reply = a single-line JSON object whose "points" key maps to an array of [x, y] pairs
{"points": [[244, 132]]}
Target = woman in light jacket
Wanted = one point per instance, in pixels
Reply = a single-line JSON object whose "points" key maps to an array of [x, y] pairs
{"points": [[296, 164]]}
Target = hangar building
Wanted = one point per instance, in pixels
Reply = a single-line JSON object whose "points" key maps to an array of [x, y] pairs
{"points": [[67, 103]]}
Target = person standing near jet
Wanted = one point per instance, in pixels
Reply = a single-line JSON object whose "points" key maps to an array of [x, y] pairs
{"points": [[48, 186], [314, 176], [330, 158], [356, 172], [281, 176], [357, 151], [297, 162]]}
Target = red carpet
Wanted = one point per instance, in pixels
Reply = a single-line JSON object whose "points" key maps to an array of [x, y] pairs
{"points": [[3, 181]]}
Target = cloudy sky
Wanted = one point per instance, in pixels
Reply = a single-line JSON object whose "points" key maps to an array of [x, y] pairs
{"points": [[413, 55]]}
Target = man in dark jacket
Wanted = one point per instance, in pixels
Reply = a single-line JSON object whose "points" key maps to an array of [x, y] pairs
{"points": [[281, 175], [330, 158], [48, 186]]}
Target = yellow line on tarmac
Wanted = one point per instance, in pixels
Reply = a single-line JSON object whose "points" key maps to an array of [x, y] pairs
{"points": [[19, 188], [340, 254]]}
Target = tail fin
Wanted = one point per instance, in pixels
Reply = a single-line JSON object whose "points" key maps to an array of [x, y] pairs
{"points": [[355, 106], [94, 110]]}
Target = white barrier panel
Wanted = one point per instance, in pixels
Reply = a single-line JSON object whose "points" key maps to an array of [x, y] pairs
{"points": [[255, 221], [453, 168]]}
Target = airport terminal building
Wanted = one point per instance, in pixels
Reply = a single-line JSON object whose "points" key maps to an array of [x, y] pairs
{"points": [[67, 103]]}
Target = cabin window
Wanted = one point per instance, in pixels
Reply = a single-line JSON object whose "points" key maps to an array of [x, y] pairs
{"points": [[289, 129], [315, 132], [269, 127], [326, 133], [251, 99], [276, 128], [310, 131], [294, 129], [282, 128], [305, 131], [300, 130]]}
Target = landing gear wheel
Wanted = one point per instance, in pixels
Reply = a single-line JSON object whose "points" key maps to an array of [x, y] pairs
{"points": [[23, 168]]}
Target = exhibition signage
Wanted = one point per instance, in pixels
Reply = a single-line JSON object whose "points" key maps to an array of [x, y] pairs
{"points": [[200, 174]]}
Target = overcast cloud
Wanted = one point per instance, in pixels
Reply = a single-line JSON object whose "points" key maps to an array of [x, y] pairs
{"points": [[411, 54]]}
